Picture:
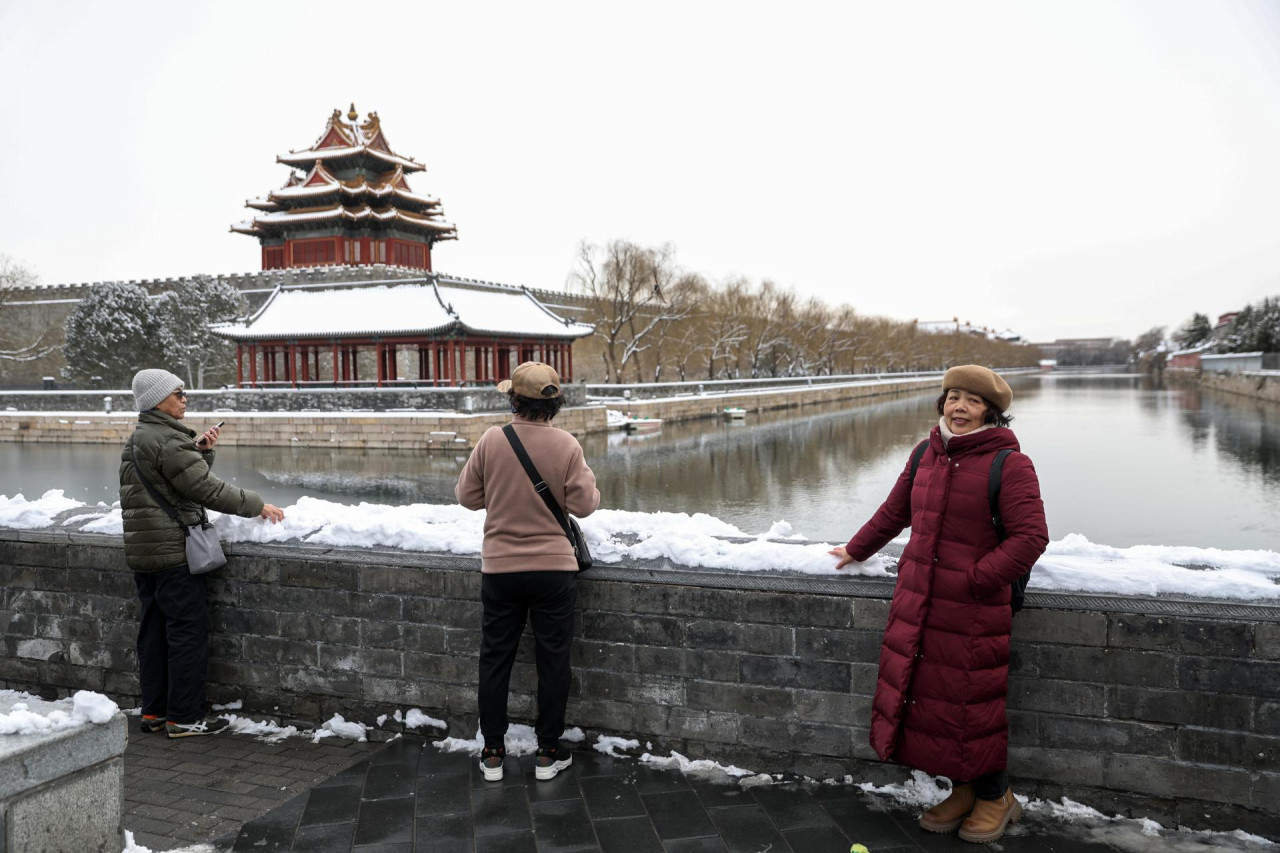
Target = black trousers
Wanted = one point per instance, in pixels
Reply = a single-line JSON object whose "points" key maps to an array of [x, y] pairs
{"points": [[546, 600], [173, 643], [990, 786]]}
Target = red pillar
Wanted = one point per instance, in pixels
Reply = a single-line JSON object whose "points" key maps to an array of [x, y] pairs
{"points": [[382, 364], [291, 364], [253, 365], [239, 365], [335, 363], [569, 354]]}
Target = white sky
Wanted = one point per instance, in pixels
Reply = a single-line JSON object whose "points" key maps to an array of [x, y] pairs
{"points": [[1064, 169]]}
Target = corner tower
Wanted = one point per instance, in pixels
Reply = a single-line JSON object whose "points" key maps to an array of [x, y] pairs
{"points": [[347, 203]]}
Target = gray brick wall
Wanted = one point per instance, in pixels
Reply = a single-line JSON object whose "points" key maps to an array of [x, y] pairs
{"points": [[1110, 701]]}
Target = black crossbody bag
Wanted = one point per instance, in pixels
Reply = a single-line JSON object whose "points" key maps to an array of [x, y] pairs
{"points": [[570, 525]]}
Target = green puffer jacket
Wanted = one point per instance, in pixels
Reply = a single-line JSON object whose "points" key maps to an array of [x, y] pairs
{"points": [[167, 454]]}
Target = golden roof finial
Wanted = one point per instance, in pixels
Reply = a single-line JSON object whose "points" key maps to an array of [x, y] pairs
{"points": [[353, 115]]}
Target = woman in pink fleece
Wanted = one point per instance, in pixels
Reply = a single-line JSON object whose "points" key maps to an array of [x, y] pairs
{"points": [[528, 565]]}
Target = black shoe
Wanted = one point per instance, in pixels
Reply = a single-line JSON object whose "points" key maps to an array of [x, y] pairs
{"points": [[151, 725], [491, 763], [550, 761], [207, 726]]}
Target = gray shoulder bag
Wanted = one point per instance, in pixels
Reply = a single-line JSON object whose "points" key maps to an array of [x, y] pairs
{"points": [[204, 551]]}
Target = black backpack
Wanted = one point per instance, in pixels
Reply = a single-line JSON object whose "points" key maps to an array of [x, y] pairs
{"points": [[1018, 589]]}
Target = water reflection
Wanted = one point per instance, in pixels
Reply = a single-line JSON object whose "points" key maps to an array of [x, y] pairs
{"points": [[1120, 460]]}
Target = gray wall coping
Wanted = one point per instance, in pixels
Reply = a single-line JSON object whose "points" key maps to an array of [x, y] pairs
{"points": [[28, 761]]}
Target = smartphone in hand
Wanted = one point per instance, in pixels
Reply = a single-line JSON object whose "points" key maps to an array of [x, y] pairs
{"points": [[204, 439]]}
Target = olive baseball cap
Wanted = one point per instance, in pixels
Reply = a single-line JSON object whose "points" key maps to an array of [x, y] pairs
{"points": [[534, 380]]}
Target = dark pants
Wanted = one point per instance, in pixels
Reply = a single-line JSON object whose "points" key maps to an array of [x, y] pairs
{"points": [[990, 786], [173, 643], [546, 600]]}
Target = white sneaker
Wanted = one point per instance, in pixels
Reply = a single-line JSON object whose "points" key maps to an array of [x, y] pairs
{"points": [[491, 762], [551, 761]]}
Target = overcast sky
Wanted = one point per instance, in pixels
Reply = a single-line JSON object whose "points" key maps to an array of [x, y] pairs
{"points": [[1062, 169]]}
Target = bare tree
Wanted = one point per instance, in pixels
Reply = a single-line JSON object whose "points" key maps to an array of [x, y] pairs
{"points": [[13, 276], [636, 292]]}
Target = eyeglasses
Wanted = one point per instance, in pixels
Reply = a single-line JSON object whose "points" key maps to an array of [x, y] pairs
{"points": [[180, 394]]}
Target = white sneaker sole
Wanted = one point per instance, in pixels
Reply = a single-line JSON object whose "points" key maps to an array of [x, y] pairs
{"points": [[491, 774], [550, 771]]}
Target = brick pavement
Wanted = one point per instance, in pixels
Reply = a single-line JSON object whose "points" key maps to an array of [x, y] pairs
{"points": [[178, 792], [410, 798]]}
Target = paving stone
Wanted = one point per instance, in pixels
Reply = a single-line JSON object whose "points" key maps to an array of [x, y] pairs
{"points": [[509, 842], [791, 808], [678, 814], [746, 829], [332, 805], [385, 822], [445, 833], [627, 835], [612, 797], [330, 838], [563, 826], [500, 811]]}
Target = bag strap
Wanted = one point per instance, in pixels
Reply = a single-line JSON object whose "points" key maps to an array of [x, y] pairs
{"points": [[155, 496], [993, 491], [916, 456], [539, 485]]}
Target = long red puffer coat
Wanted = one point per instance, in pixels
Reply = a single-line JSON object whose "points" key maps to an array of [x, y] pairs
{"points": [[944, 661]]}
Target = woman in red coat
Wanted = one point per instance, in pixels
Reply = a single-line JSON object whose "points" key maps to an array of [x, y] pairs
{"points": [[944, 661]]}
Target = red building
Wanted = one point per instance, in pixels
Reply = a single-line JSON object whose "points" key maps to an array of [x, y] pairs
{"points": [[347, 202], [433, 331]]}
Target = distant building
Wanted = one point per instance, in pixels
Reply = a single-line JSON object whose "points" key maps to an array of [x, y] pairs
{"points": [[1057, 347], [955, 327], [347, 202], [455, 332], [1189, 358]]}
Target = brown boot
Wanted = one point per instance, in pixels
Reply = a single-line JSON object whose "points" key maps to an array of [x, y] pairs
{"points": [[951, 812], [989, 818]]}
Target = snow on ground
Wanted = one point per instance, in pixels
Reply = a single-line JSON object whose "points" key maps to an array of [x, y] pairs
{"points": [[131, 846], [45, 717], [1140, 835], [699, 540]]}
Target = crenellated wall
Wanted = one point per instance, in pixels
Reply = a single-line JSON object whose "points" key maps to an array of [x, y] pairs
{"points": [[1146, 707]]}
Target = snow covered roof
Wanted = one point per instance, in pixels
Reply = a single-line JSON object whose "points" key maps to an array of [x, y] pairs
{"points": [[279, 220], [344, 139], [430, 307]]}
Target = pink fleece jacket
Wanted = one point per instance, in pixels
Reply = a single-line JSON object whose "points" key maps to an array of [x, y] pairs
{"points": [[520, 533]]}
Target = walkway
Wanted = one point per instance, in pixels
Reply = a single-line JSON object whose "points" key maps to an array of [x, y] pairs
{"points": [[407, 797]]}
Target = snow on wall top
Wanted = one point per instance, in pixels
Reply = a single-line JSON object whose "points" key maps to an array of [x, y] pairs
{"points": [[409, 309]]}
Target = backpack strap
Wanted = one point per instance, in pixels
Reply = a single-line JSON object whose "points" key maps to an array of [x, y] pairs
{"points": [[916, 456], [993, 492], [539, 485]]}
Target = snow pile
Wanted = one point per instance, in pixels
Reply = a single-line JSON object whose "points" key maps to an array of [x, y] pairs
{"points": [[22, 514], [520, 740], [700, 769], [609, 745], [1141, 835], [353, 730], [86, 707], [699, 540], [265, 730], [131, 846], [415, 719]]}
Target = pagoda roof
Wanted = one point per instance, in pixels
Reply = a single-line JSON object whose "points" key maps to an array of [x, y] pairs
{"points": [[346, 139], [320, 183], [435, 305], [284, 220]]}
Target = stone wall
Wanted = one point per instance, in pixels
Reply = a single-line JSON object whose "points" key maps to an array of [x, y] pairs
{"points": [[439, 431], [1144, 707], [1261, 385]]}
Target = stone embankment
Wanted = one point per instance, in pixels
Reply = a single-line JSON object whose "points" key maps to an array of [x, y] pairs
{"points": [[1168, 709], [389, 429], [1259, 384]]}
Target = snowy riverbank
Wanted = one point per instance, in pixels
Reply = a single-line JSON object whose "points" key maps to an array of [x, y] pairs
{"points": [[1072, 563]]}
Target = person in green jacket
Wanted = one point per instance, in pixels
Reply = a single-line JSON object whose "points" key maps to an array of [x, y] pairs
{"points": [[173, 621]]}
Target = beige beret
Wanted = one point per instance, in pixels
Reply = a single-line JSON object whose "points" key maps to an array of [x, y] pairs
{"points": [[977, 379]]}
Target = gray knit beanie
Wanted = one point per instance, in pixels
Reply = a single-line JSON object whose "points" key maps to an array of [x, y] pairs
{"points": [[152, 385]]}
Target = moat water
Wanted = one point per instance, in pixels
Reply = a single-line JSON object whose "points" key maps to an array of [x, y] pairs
{"points": [[1120, 461]]}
